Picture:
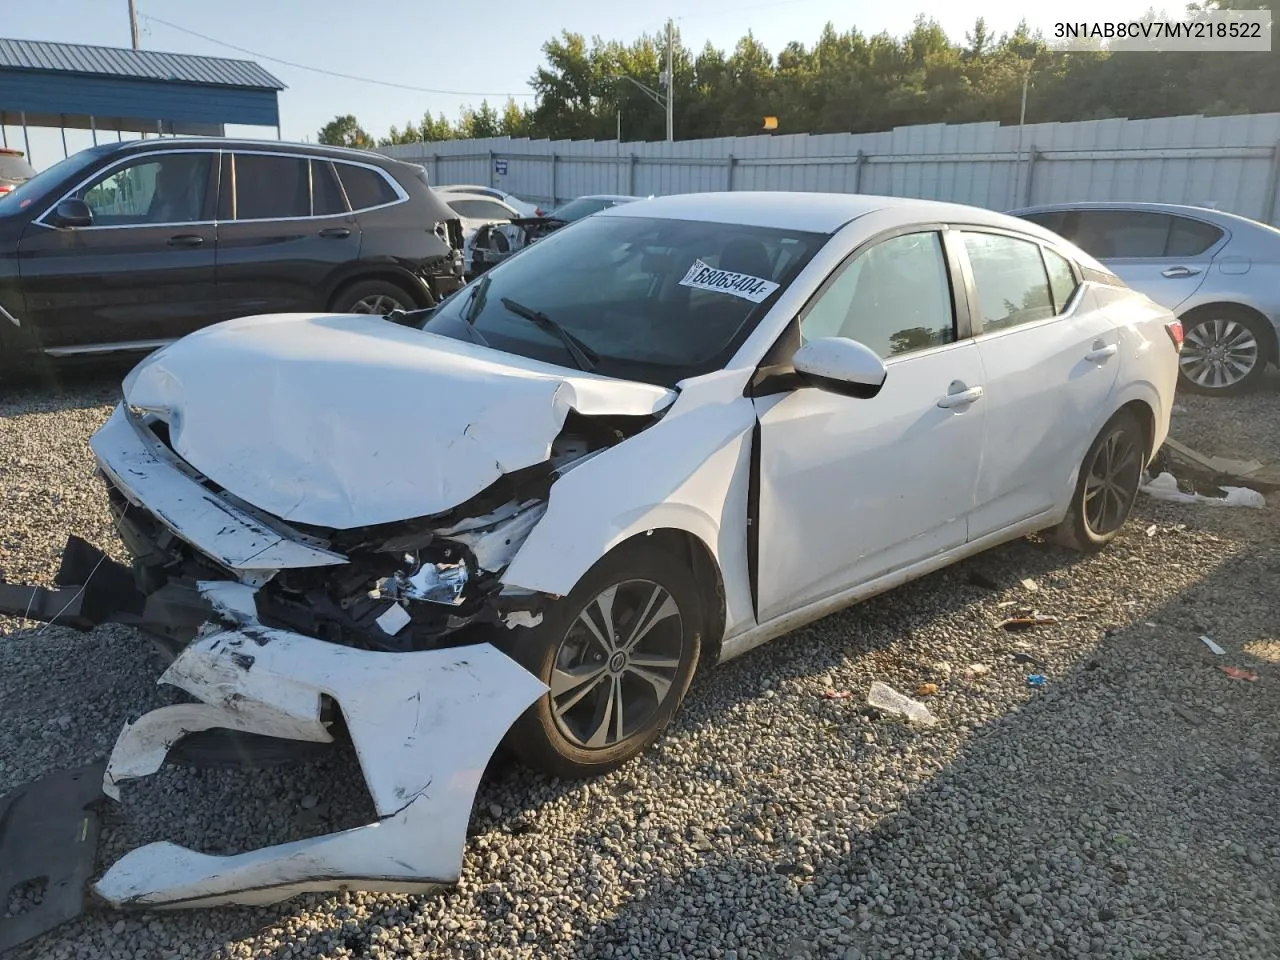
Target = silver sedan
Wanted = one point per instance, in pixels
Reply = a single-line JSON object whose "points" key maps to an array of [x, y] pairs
{"points": [[1219, 272]]}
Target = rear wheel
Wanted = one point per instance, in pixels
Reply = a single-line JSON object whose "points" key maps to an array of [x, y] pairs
{"points": [[1107, 488], [1224, 350], [618, 654], [378, 297]]}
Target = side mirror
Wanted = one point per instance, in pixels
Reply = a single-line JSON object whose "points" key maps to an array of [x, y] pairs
{"points": [[840, 365], [71, 213]]}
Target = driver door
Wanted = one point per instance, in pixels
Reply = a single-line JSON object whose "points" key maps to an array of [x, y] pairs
{"points": [[143, 272], [851, 489]]}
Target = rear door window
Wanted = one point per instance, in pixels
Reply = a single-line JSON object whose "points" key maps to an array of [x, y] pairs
{"points": [[1013, 286], [270, 187], [326, 192]]}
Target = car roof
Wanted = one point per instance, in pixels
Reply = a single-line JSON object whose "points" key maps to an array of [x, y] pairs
{"points": [[809, 212]]}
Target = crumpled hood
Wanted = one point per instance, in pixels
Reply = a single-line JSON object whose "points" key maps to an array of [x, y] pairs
{"points": [[343, 421]]}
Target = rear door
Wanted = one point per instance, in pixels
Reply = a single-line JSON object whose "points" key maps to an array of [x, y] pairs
{"points": [[143, 272], [1050, 362], [284, 230], [1165, 256]]}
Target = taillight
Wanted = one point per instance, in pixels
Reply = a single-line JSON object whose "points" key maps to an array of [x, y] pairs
{"points": [[538, 212], [5, 188], [1174, 329]]}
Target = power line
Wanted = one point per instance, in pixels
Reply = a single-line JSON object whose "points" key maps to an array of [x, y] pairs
{"points": [[327, 73]]}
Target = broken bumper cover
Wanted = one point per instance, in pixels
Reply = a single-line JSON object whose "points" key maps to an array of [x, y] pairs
{"points": [[423, 724]]}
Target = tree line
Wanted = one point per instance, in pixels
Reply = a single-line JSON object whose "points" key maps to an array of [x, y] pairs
{"points": [[848, 82]]}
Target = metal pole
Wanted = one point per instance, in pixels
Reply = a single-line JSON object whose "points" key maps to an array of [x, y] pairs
{"points": [[671, 86], [63, 129], [26, 140], [1022, 119], [133, 23], [93, 129], [619, 128], [4, 136]]}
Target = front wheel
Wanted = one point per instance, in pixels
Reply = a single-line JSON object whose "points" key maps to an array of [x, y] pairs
{"points": [[1107, 488], [378, 297], [618, 654]]}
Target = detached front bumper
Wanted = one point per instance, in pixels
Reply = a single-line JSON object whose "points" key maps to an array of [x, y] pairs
{"points": [[424, 726]]}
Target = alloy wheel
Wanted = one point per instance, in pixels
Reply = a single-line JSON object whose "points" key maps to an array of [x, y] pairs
{"points": [[378, 303], [617, 664], [1218, 353], [1112, 483]]}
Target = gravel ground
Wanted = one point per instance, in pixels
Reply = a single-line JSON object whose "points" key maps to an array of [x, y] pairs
{"points": [[1124, 809]]}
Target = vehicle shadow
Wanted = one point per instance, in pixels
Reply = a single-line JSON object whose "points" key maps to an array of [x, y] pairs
{"points": [[46, 388]]}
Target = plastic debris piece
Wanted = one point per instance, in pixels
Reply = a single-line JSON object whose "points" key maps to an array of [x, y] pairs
{"points": [[926, 690], [1213, 647], [1037, 680], [1165, 487], [1236, 673], [1031, 585], [974, 670], [837, 694], [1024, 623], [884, 697]]}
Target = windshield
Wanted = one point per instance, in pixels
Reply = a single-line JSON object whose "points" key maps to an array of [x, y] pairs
{"points": [[582, 207], [652, 300], [33, 190]]}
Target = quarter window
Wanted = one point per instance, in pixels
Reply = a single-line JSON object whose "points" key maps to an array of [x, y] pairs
{"points": [[1012, 285], [1062, 280], [154, 190], [894, 298], [365, 188], [1189, 238], [270, 187]]}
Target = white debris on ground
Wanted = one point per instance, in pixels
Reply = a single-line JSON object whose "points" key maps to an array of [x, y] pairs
{"points": [[1165, 487], [1126, 809]]}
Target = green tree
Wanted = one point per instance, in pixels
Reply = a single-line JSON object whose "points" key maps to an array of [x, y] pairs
{"points": [[344, 131]]}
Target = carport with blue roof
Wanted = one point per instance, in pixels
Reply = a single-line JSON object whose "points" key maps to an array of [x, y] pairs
{"points": [[107, 90]]}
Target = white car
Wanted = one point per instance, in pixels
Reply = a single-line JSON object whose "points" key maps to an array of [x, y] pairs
{"points": [[657, 438], [525, 208], [474, 212]]}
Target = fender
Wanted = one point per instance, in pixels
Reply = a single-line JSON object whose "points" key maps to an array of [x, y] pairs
{"points": [[688, 472]]}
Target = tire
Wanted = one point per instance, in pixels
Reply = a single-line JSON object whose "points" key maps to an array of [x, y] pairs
{"points": [[556, 734], [378, 297], [1224, 351], [1091, 524]]}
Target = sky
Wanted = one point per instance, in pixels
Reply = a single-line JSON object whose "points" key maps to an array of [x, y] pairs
{"points": [[488, 48]]}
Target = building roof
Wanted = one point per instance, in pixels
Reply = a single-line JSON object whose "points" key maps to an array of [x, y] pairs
{"points": [[74, 58]]}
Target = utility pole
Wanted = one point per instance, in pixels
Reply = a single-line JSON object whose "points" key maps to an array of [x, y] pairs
{"points": [[133, 23], [671, 84], [1022, 120]]}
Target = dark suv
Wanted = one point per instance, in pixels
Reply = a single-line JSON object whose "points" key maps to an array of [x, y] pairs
{"points": [[126, 246]]}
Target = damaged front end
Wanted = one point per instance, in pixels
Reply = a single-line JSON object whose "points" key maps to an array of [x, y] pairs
{"points": [[390, 634]]}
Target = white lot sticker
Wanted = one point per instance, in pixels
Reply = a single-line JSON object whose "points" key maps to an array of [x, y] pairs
{"points": [[703, 277]]}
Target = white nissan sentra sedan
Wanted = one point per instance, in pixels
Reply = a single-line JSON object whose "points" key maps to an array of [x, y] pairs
{"points": [[652, 441]]}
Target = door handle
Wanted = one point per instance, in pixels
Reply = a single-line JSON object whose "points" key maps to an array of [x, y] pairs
{"points": [[960, 398], [335, 233], [186, 240], [1101, 353], [1173, 273]]}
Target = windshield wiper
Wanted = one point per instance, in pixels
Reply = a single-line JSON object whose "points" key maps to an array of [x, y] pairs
{"points": [[583, 356]]}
